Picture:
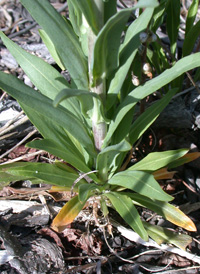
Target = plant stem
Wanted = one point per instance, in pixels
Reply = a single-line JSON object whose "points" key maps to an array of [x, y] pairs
{"points": [[98, 124]]}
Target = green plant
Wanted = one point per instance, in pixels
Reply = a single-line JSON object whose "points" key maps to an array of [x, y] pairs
{"points": [[88, 122]]}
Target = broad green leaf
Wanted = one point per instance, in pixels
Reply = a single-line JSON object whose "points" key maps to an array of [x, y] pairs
{"points": [[158, 16], [92, 13], [146, 4], [47, 79], [6, 178], [69, 154], [65, 166], [173, 21], [104, 207], [57, 133], [124, 206], [123, 131], [47, 41], [168, 211], [44, 106], [75, 16], [163, 235], [106, 48], [49, 173], [189, 157], [185, 64], [86, 191], [67, 93], [192, 12], [79, 23], [84, 96], [67, 214], [110, 8], [42, 75], [157, 160], [157, 57], [48, 129], [107, 159], [146, 119], [191, 38], [63, 37], [127, 53], [141, 182]]}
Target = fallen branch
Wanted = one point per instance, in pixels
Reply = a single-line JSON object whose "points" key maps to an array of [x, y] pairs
{"points": [[132, 236]]}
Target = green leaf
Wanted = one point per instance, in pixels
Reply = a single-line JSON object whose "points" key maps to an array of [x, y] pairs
{"points": [[147, 118], [49, 44], [104, 207], [6, 178], [157, 57], [146, 4], [124, 206], [157, 160], [79, 23], [106, 48], [48, 129], [67, 153], [49, 173], [47, 79], [191, 38], [185, 64], [158, 16], [67, 214], [107, 159], [91, 12], [173, 21], [42, 75], [164, 235], [44, 106], [85, 191], [67, 93], [141, 182], [127, 53], [63, 38], [192, 12], [84, 96], [123, 131], [75, 16], [168, 211], [110, 8]]}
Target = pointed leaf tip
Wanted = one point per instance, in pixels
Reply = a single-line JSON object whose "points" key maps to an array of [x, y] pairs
{"points": [[67, 214]]}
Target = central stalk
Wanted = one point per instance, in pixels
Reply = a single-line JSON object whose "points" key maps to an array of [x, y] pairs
{"points": [[99, 126]]}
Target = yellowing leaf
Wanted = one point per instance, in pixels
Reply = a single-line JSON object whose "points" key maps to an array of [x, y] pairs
{"points": [[177, 217], [168, 211], [189, 157], [59, 188], [67, 214], [163, 173], [164, 235]]}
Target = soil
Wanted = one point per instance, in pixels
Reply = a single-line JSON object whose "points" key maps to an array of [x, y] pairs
{"points": [[27, 242]]}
